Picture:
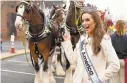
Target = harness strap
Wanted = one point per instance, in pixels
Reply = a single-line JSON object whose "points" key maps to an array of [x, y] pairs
{"points": [[76, 21], [37, 51], [24, 44]]}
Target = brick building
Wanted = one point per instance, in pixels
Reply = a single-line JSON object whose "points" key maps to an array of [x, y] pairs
{"points": [[8, 16]]}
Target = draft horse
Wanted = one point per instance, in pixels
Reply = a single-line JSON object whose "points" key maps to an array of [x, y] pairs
{"points": [[57, 17], [40, 39], [73, 24]]}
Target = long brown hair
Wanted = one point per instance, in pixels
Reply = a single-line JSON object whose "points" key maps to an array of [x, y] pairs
{"points": [[98, 32], [105, 26], [120, 26]]}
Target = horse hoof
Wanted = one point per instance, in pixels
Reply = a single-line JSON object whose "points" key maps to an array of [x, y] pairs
{"points": [[60, 71], [68, 77], [73, 67]]}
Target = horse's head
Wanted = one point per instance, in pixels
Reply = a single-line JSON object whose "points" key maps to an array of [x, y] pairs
{"points": [[73, 16], [27, 12], [57, 16], [58, 13]]}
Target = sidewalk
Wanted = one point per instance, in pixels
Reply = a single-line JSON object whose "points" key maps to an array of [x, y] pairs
{"points": [[8, 54], [6, 48]]}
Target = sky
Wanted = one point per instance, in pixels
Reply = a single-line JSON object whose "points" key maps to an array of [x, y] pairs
{"points": [[118, 8]]}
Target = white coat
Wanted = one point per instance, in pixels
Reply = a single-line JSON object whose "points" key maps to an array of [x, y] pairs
{"points": [[106, 54]]}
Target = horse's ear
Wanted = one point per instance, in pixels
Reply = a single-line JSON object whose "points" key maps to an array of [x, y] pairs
{"points": [[16, 9], [64, 6]]}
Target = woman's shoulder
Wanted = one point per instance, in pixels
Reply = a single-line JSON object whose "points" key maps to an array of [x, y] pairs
{"points": [[106, 39]]}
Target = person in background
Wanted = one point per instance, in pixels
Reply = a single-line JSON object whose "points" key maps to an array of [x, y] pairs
{"points": [[119, 42], [92, 52]]}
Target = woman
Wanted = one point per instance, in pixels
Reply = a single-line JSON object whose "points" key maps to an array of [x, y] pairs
{"points": [[98, 48], [119, 42]]}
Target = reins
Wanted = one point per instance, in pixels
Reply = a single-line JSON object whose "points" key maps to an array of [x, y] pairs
{"points": [[76, 22], [24, 44]]}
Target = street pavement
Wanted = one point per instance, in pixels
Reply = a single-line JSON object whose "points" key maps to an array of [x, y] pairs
{"points": [[14, 66], [17, 70]]}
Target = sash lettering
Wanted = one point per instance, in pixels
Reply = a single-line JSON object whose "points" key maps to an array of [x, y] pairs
{"points": [[87, 63]]}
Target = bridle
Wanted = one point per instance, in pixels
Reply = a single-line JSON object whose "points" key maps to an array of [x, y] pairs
{"points": [[43, 32], [23, 2], [56, 13], [27, 9], [60, 29]]}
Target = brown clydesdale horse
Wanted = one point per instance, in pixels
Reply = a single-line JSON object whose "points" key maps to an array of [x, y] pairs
{"points": [[57, 16], [73, 24], [41, 39]]}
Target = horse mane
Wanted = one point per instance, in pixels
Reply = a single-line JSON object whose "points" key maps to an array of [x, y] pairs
{"points": [[43, 16]]}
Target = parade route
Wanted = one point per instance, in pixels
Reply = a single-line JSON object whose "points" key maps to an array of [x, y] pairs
{"points": [[8, 54], [17, 70]]}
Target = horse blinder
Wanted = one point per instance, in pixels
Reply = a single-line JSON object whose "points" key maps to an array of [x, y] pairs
{"points": [[27, 9]]}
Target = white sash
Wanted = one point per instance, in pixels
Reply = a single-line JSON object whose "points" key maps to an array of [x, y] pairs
{"points": [[87, 62]]}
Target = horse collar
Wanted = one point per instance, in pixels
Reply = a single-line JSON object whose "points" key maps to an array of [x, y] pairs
{"points": [[38, 37]]}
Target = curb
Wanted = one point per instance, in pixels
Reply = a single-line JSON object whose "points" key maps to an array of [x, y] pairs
{"points": [[9, 55]]}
